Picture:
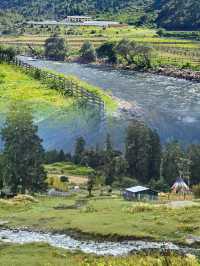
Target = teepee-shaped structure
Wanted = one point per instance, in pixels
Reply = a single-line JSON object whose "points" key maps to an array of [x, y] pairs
{"points": [[180, 186]]}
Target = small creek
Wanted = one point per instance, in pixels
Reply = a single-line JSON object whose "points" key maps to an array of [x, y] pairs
{"points": [[89, 246]]}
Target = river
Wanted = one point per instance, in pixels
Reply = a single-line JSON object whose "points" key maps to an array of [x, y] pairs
{"points": [[169, 105], [90, 246]]}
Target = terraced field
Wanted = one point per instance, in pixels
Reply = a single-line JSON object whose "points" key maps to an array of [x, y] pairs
{"points": [[166, 51]]}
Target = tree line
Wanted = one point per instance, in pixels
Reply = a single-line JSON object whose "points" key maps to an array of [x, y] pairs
{"points": [[144, 160], [125, 52]]}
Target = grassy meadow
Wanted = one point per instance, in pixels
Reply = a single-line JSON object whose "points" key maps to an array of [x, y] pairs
{"points": [[104, 216], [77, 175], [166, 50], [43, 255], [18, 86]]}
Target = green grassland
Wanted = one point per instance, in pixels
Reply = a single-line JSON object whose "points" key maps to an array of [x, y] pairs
{"points": [[68, 168], [43, 255], [15, 85], [166, 50], [77, 175], [105, 216]]}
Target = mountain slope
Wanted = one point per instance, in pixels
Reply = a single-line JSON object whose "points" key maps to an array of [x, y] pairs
{"points": [[170, 14], [60, 8], [178, 14]]}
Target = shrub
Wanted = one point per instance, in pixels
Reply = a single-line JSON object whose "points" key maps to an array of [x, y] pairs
{"points": [[88, 52], [64, 179], [196, 191]]}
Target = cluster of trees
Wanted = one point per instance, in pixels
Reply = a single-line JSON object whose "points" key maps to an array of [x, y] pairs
{"points": [[56, 48], [124, 51], [178, 14], [144, 160], [127, 52]]}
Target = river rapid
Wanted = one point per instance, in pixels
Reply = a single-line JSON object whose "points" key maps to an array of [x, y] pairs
{"points": [[169, 105], [90, 246]]}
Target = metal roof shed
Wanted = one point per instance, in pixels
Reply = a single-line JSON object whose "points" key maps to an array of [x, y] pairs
{"points": [[140, 193]]}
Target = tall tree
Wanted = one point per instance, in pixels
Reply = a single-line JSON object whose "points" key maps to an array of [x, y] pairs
{"points": [[155, 154], [56, 48], [194, 156], [171, 158], [79, 150], [137, 151], [23, 153], [87, 52]]}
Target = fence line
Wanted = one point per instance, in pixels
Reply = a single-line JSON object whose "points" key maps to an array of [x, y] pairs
{"points": [[64, 85]]}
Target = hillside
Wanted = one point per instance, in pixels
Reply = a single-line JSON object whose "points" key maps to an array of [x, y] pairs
{"points": [[178, 14], [170, 14], [61, 8]]}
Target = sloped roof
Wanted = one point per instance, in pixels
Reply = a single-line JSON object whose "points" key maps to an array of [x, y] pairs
{"points": [[180, 184], [137, 189]]}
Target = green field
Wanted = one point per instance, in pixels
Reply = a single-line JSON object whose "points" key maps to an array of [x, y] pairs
{"points": [[170, 51], [18, 86], [15, 85], [105, 216], [44, 255]]}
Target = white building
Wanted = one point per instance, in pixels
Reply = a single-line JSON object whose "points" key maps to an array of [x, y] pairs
{"points": [[77, 18]]}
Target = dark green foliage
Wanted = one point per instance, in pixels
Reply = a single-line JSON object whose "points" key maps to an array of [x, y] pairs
{"points": [[170, 14], [55, 156], [194, 156], [142, 157], [178, 14], [91, 182], [196, 191], [23, 154], [9, 52], [107, 51], [125, 51], [171, 157], [55, 48], [79, 150], [128, 182], [87, 52], [159, 185], [64, 179]]}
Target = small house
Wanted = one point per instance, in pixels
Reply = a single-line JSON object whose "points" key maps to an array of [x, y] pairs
{"points": [[140, 193]]}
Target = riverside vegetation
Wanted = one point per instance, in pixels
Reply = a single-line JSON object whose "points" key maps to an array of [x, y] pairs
{"points": [[177, 50]]}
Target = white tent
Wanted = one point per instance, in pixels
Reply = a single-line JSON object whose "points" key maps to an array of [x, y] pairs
{"points": [[180, 186]]}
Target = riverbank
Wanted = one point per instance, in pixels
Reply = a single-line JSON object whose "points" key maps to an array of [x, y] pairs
{"points": [[42, 254]]}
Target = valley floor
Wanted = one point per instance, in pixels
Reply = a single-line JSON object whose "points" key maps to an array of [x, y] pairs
{"points": [[44, 255], [105, 217]]}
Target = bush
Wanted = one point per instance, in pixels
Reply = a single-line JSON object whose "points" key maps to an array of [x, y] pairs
{"points": [[55, 48], [88, 52], [128, 182], [196, 191], [64, 179]]}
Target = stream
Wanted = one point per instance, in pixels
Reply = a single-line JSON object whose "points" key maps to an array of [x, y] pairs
{"points": [[90, 246]]}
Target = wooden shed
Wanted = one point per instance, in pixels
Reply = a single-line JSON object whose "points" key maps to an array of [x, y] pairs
{"points": [[140, 193]]}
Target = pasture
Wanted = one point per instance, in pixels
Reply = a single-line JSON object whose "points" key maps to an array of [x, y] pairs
{"points": [[170, 51], [104, 216]]}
